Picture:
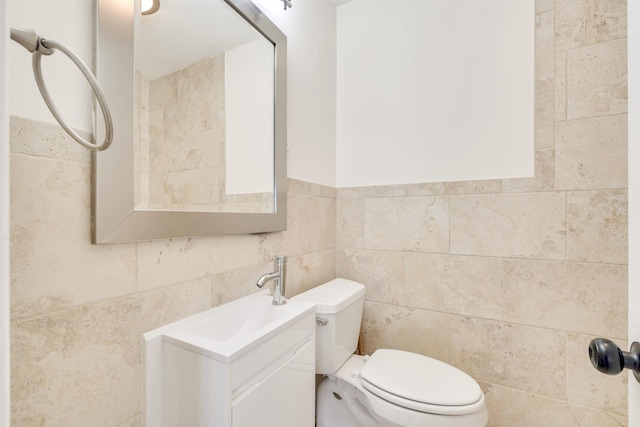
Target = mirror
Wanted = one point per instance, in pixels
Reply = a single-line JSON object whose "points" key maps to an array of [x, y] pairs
{"points": [[204, 110], [197, 91]]}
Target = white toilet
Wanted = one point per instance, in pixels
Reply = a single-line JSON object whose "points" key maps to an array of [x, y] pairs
{"points": [[390, 387]]}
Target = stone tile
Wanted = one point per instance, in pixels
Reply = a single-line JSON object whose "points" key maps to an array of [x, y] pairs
{"points": [[303, 272], [136, 421], [488, 186], [525, 225], [419, 224], [232, 285], [521, 409], [191, 187], [46, 140], [381, 272], [329, 192], [348, 193], [592, 153], [185, 165], [141, 142], [597, 80], [544, 5], [419, 331], [309, 188], [53, 263], [310, 270], [597, 226], [493, 399], [350, 226], [373, 191], [587, 22], [544, 46], [544, 179], [589, 417], [311, 227], [166, 262], [83, 366], [523, 357], [587, 298], [561, 86], [544, 130], [454, 284], [164, 91], [588, 387]]}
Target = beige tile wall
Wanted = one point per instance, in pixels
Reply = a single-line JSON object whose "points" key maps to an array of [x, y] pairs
{"points": [[79, 310], [187, 130], [510, 279]]}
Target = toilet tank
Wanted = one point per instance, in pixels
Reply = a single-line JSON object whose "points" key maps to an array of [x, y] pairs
{"points": [[339, 305]]}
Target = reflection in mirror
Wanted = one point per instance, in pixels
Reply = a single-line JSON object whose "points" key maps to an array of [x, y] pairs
{"points": [[198, 97], [204, 123]]}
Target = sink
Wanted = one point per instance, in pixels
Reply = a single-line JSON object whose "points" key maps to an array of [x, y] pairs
{"points": [[230, 330], [240, 349], [246, 318]]}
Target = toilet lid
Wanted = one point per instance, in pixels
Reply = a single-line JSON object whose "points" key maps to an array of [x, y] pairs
{"points": [[409, 380]]}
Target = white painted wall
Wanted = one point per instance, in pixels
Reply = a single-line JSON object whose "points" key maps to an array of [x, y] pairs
{"points": [[249, 117], [433, 91], [633, 19], [65, 21], [310, 26], [4, 224]]}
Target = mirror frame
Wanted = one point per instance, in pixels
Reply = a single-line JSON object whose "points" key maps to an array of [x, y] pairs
{"points": [[115, 217]]}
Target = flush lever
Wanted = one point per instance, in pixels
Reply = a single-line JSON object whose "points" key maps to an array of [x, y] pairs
{"points": [[607, 357]]}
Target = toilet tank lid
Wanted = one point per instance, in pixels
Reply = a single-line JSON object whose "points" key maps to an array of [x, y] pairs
{"points": [[333, 296]]}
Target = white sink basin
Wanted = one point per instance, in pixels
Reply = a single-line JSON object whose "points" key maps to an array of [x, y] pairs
{"points": [[228, 331], [251, 337]]}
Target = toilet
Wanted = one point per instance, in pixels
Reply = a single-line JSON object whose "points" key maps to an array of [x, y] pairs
{"points": [[390, 388]]}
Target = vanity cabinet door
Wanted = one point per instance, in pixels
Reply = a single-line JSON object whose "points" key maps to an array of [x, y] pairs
{"points": [[286, 398]]}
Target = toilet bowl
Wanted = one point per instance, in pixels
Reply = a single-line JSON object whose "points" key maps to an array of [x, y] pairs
{"points": [[390, 388]]}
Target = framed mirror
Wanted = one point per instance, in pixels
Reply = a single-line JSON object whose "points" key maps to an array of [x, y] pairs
{"points": [[198, 97]]}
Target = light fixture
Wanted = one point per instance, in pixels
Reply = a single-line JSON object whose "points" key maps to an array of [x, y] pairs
{"points": [[287, 3], [147, 7]]}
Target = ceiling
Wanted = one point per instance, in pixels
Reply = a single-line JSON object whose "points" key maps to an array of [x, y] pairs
{"points": [[183, 32]]}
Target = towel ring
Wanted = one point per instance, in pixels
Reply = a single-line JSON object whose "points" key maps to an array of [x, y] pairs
{"points": [[42, 46]]}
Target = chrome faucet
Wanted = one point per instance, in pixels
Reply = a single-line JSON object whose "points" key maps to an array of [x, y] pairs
{"points": [[280, 278]]}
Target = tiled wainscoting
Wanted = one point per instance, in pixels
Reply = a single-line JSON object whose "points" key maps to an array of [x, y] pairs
{"points": [[79, 310]]}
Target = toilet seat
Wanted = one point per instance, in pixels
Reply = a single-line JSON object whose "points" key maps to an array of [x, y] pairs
{"points": [[420, 383], [385, 413]]}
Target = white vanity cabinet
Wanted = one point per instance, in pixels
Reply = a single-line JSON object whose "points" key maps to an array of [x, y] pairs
{"points": [[282, 399], [269, 383]]}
